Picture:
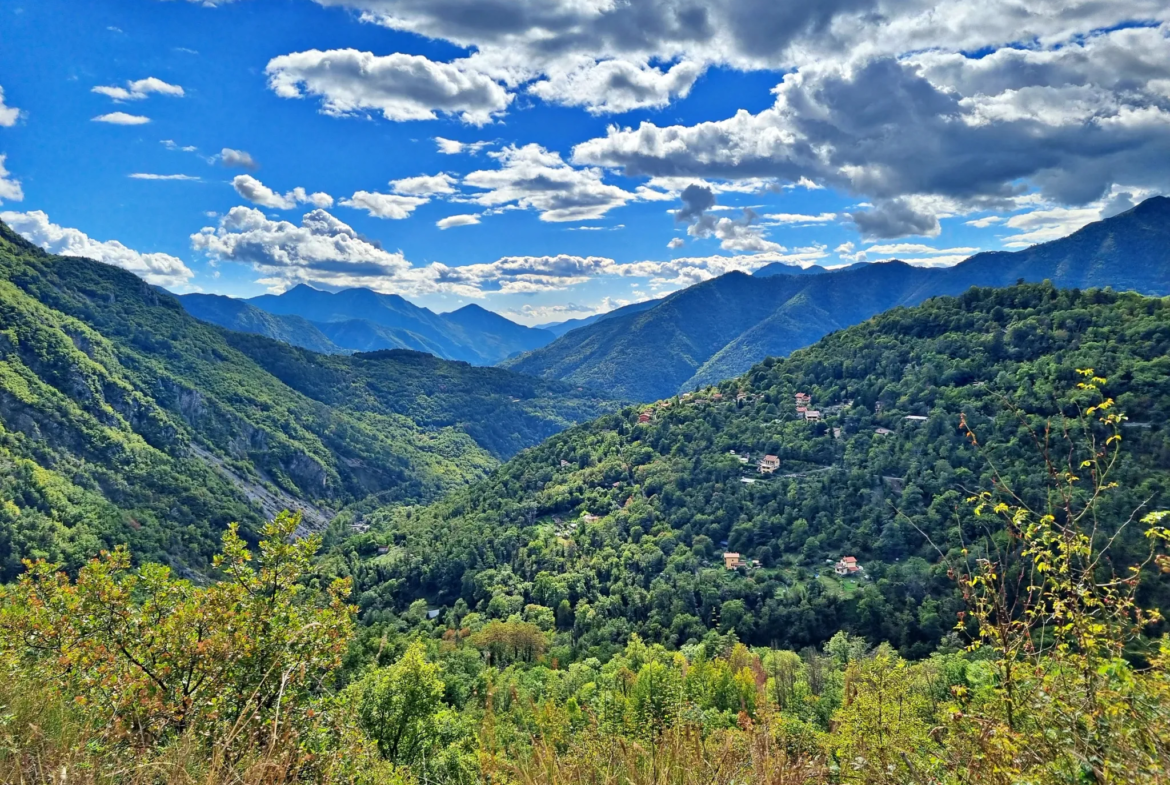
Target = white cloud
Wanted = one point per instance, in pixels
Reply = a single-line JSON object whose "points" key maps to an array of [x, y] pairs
{"points": [[917, 249], [159, 269], [1041, 226], [534, 178], [172, 145], [929, 133], [676, 243], [140, 90], [257, 192], [148, 176], [321, 250], [10, 189], [425, 185], [784, 219], [983, 223], [8, 114], [391, 206], [121, 118], [239, 159], [400, 86], [452, 221], [452, 147], [613, 86]]}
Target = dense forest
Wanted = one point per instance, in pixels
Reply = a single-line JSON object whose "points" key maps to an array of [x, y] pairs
{"points": [[125, 420], [620, 526]]}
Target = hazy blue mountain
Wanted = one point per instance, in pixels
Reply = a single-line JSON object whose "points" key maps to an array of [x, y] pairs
{"points": [[496, 333], [241, 316], [560, 328], [359, 320], [719, 328]]}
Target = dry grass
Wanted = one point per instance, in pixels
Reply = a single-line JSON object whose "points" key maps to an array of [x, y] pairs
{"points": [[680, 756]]}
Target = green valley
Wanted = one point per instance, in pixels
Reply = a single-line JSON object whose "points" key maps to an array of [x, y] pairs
{"points": [[126, 420]]}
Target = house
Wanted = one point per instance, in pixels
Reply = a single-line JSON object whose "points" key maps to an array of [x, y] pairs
{"points": [[812, 415], [589, 518], [741, 397], [883, 431], [383, 550], [732, 561], [769, 464], [801, 409], [847, 566], [564, 463], [645, 417], [717, 397], [433, 614], [916, 418], [803, 398], [837, 433]]}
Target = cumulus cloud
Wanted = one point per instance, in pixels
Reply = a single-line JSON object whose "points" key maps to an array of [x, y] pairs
{"points": [[121, 118], [1070, 120], [894, 218], [391, 206], [613, 86], [452, 147], [452, 221], [676, 243], [257, 192], [8, 114], [237, 159], [425, 185], [734, 234], [140, 89], [320, 250], [534, 178], [10, 189], [159, 269], [400, 86]]}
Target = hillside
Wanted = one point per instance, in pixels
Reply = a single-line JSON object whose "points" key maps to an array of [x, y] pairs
{"points": [[719, 328], [124, 419], [619, 526]]}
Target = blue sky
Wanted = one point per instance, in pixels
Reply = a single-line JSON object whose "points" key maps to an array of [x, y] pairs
{"points": [[627, 149]]}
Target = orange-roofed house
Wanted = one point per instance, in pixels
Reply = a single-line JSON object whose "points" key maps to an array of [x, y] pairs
{"points": [[847, 566]]}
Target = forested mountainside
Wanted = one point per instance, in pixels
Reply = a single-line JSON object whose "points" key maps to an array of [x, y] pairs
{"points": [[719, 328], [623, 525], [124, 419], [359, 320]]}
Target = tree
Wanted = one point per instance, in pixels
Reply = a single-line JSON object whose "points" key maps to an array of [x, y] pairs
{"points": [[149, 656], [398, 705]]}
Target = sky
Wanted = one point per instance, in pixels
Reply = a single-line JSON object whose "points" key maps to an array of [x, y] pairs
{"points": [[551, 159]]}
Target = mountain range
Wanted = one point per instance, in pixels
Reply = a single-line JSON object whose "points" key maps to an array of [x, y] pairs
{"points": [[123, 419], [360, 320], [719, 328]]}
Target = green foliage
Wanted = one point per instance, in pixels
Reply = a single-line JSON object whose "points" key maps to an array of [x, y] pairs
{"points": [[398, 705], [145, 658], [125, 420], [619, 526]]}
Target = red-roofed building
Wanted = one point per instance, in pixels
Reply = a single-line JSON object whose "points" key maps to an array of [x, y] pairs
{"points": [[769, 464], [847, 566]]}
